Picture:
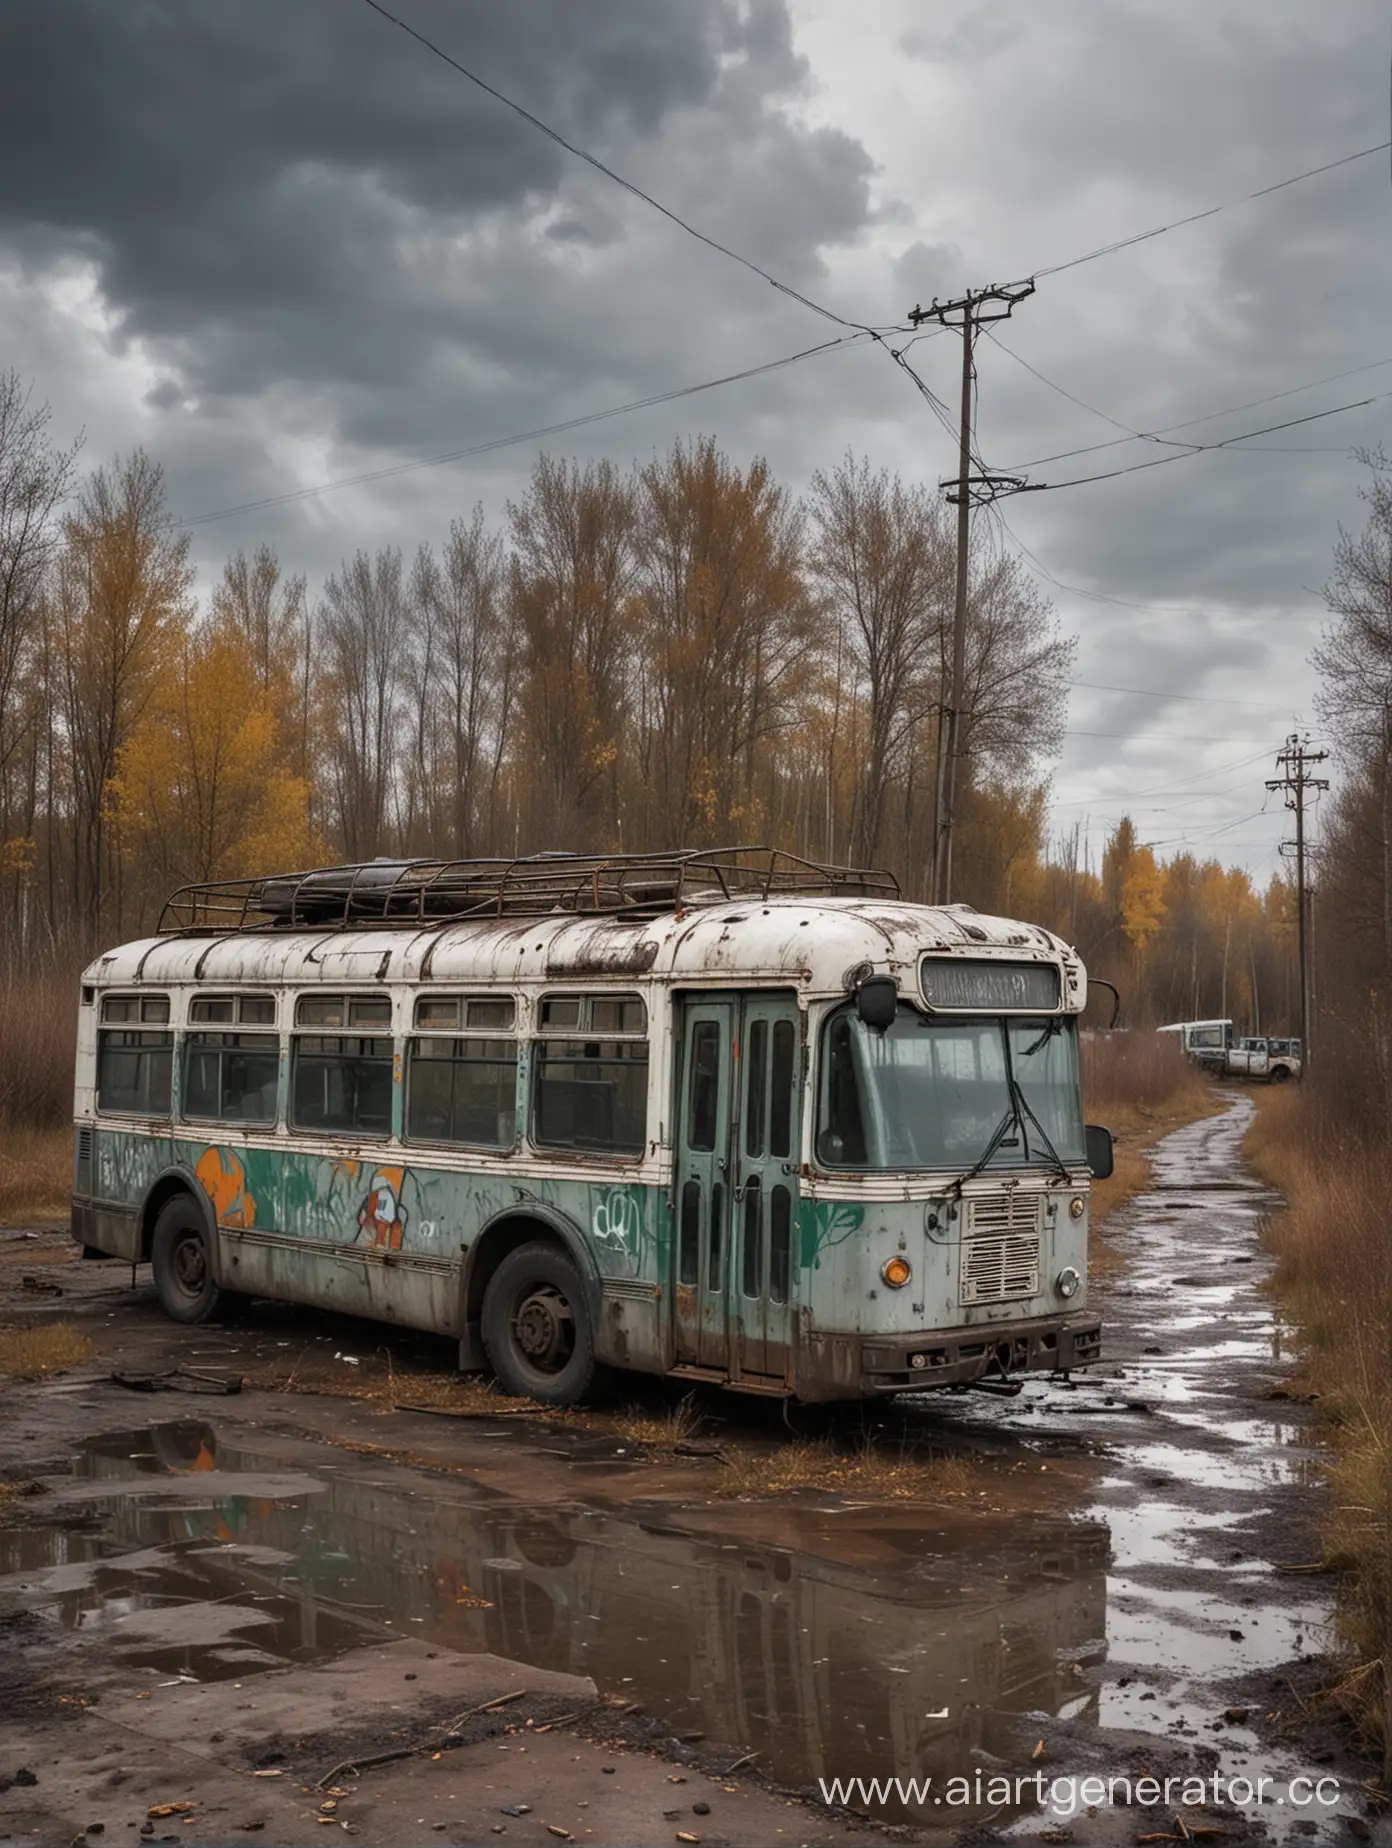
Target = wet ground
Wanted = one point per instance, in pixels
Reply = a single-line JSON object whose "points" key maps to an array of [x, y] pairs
{"points": [[218, 1601]]}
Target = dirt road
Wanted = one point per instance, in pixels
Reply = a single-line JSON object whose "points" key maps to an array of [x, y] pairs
{"points": [[217, 1601]]}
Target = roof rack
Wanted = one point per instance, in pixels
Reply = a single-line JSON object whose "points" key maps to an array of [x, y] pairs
{"points": [[393, 893]]}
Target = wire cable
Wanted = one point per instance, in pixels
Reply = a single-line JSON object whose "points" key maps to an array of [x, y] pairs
{"points": [[1193, 218], [599, 166], [1207, 699], [526, 436], [1203, 449], [1189, 423], [1063, 392]]}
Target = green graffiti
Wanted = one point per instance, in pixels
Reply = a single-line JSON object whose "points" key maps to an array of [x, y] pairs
{"points": [[823, 1226]]}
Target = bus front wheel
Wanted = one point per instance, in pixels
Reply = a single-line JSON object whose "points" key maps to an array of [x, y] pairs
{"points": [[536, 1326], [182, 1263]]}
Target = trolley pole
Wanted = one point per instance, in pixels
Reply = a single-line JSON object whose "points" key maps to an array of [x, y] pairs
{"points": [[1295, 780], [973, 310]]}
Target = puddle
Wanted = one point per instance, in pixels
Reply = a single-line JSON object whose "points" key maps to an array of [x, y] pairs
{"points": [[1190, 1334], [848, 1640], [886, 1641]]}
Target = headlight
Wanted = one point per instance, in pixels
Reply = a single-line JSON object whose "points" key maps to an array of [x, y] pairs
{"points": [[896, 1272], [1067, 1281], [1077, 1206]]}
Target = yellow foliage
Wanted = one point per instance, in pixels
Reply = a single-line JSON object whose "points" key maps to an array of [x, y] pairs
{"points": [[1142, 898], [202, 784]]}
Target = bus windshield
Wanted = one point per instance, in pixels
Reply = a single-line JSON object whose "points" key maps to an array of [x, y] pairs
{"points": [[931, 1093]]}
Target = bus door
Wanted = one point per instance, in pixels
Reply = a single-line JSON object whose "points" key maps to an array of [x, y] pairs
{"points": [[766, 1185], [703, 1181], [737, 1183]]}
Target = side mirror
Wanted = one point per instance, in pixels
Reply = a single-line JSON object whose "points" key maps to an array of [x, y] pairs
{"points": [[877, 1001], [1099, 1151]]}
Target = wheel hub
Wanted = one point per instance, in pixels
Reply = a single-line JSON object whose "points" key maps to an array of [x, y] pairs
{"points": [[190, 1265], [544, 1329]]}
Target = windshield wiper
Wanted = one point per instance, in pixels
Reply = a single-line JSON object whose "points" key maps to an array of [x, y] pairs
{"points": [[1012, 1115], [1022, 1103], [1019, 1114], [1051, 1027]]}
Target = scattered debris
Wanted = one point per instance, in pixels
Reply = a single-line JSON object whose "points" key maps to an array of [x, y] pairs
{"points": [[179, 1379], [739, 1764], [443, 1736]]}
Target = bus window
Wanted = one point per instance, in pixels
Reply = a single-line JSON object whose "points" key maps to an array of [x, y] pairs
{"points": [[341, 1082], [135, 1060], [463, 1088], [230, 1076], [591, 1093], [841, 1135]]}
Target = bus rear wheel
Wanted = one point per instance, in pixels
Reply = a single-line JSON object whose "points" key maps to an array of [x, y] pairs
{"points": [[182, 1263], [536, 1326]]}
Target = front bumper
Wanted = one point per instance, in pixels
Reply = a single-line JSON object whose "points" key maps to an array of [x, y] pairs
{"points": [[838, 1365]]}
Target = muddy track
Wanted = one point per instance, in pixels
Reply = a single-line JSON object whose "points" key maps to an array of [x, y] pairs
{"points": [[1106, 1622]]}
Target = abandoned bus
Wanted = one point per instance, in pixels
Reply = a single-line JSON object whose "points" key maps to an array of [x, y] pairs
{"points": [[724, 1115]]}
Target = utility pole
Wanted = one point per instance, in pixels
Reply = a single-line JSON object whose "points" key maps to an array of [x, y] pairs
{"points": [[975, 309], [1295, 780]]}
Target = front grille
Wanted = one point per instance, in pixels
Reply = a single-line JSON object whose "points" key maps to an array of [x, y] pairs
{"points": [[1000, 1248]]}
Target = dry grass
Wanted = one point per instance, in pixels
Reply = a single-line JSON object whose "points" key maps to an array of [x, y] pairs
{"points": [[659, 1431], [37, 1352], [38, 1034], [38, 1030], [1334, 1274], [35, 1174], [870, 1470]]}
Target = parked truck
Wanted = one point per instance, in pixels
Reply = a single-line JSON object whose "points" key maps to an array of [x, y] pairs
{"points": [[1259, 1057]]}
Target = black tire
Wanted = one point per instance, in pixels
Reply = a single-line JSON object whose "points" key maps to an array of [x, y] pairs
{"points": [[1281, 1075], [536, 1327], [183, 1263]]}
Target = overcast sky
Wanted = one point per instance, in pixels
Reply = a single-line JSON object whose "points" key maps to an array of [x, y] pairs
{"points": [[279, 243]]}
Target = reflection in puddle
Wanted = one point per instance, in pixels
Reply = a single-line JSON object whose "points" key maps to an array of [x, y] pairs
{"points": [[886, 1641]]}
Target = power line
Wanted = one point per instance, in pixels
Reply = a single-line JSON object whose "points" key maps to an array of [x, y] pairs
{"points": [[1202, 449], [1168, 788], [525, 436], [1138, 737], [1206, 699], [1063, 392], [1193, 218], [1231, 410], [599, 166]]}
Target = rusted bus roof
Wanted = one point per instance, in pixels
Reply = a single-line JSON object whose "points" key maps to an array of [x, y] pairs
{"points": [[811, 942], [390, 893]]}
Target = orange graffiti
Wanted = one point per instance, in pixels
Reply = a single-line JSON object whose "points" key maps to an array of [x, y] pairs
{"points": [[223, 1179], [382, 1216]]}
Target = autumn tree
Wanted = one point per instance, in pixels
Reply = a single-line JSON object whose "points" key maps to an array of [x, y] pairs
{"points": [[725, 626], [881, 555], [464, 681], [203, 790], [121, 604], [364, 630], [34, 477], [572, 574]]}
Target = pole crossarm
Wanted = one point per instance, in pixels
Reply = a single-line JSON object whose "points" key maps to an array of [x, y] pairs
{"points": [[977, 305], [982, 489]]}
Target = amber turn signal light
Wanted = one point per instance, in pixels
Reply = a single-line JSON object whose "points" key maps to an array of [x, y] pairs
{"points": [[896, 1272]]}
